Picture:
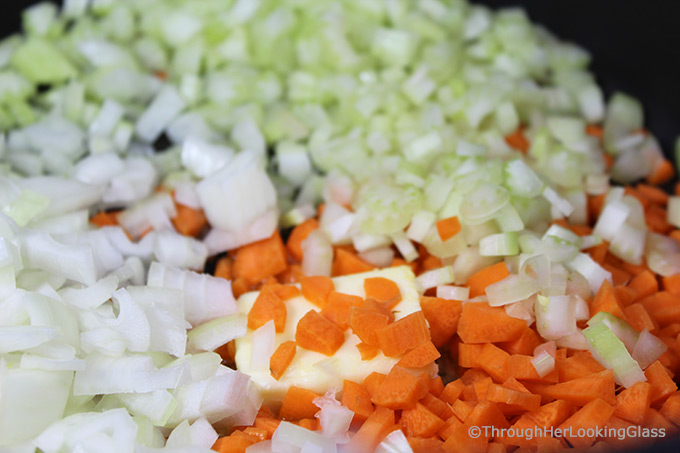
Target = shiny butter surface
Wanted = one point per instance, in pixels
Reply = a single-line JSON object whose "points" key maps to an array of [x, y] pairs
{"points": [[316, 371]]}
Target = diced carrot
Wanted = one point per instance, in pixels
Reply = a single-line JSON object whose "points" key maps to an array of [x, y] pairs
{"points": [[639, 318], [259, 433], [675, 234], [461, 409], [281, 358], [426, 445], [337, 308], [448, 228], [419, 421], [292, 274], [268, 424], [317, 289], [382, 290], [579, 365], [581, 391], [605, 300], [470, 394], [227, 351], [547, 416], [494, 361], [420, 356], [595, 205], [485, 414], [481, 388], [401, 389], [473, 375], [480, 323], [189, 221], [672, 284], [436, 386], [224, 268], [644, 284], [653, 193], [365, 323], [594, 131], [235, 443], [311, 424], [267, 307], [367, 351], [442, 315], [618, 425], [298, 404], [429, 262], [598, 252], [495, 447], [485, 277], [259, 260], [403, 335], [633, 269], [664, 307], [513, 384], [520, 367], [632, 403], [625, 295], [316, 333], [518, 141], [671, 408], [373, 382], [372, 431], [656, 219], [513, 401], [450, 425], [437, 406], [595, 413], [299, 234], [468, 354], [103, 218], [452, 391], [346, 263], [525, 344], [656, 419], [356, 398], [396, 262], [661, 383], [663, 172]]}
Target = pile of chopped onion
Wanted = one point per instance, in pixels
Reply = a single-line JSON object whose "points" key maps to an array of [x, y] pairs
{"points": [[255, 111]]}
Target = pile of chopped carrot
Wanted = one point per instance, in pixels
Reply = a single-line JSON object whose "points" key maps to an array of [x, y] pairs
{"points": [[496, 383]]}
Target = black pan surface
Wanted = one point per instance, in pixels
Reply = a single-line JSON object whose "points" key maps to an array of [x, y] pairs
{"points": [[635, 48]]}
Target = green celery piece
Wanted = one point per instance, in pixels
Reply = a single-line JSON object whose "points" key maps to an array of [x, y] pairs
{"points": [[612, 353], [42, 62]]}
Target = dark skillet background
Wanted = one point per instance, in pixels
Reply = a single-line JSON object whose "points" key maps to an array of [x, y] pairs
{"points": [[635, 48]]}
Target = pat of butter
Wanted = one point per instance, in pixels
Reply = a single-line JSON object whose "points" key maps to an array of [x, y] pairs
{"points": [[315, 371]]}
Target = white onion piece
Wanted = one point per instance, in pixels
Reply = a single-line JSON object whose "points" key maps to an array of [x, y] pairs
{"points": [[648, 349], [435, 277], [453, 292], [213, 334], [205, 297], [555, 316], [128, 373], [108, 432], [238, 194], [219, 241], [394, 442], [31, 401], [378, 257], [41, 251], [135, 182], [91, 296], [203, 158], [263, 340], [317, 254], [544, 363], [154, 212], [513, 288], [162, 110], [99, 168], [174, 249], [66, 195], [158, 405]]}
